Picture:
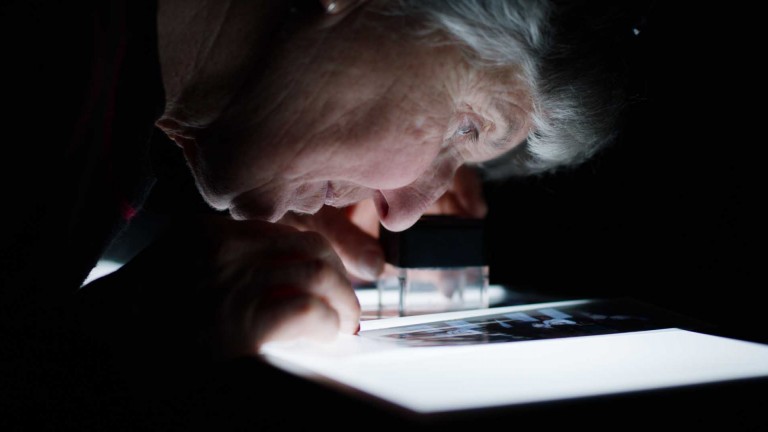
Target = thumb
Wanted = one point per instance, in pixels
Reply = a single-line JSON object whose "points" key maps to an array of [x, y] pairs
{"points": [[359, 251]]}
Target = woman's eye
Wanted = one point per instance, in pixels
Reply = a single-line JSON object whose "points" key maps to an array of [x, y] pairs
{"points": [[468, 130]]}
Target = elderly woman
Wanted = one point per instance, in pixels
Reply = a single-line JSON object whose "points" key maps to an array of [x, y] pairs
{"points": [[379, 100], [300, 114]]}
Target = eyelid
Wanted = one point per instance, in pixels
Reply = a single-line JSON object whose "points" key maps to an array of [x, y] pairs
{"points": [[471, 128], [468, 128]]}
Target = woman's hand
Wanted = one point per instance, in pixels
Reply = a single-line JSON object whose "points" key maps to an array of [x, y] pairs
{"points": [[227, 287]]}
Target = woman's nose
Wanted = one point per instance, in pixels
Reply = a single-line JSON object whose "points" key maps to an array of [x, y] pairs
{"points": [[400, 208]]}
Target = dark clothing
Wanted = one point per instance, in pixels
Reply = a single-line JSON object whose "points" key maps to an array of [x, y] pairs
{"points": [[86, 88], [83, 89]]}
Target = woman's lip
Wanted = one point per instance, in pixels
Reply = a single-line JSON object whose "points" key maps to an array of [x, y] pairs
{"points": [[342, 194]]}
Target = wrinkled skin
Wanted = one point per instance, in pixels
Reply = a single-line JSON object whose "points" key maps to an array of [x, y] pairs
{"points": [[353, 231], [345, 112], [296, 117], [242, 283]]}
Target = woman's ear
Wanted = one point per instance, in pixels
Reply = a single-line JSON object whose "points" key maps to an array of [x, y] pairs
{"points": [[337, 10], [337, 7]]}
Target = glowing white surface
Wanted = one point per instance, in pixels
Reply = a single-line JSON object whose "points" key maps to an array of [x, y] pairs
{"points": [[435, 379], [102, 268]]}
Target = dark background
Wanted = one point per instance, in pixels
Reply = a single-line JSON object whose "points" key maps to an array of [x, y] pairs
{"points": [[661, 215]]}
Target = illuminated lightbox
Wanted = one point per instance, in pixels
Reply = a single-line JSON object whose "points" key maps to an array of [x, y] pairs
{"points": [[520, 354]]}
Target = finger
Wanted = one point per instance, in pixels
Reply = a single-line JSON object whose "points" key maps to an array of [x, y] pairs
{"points": [[447, 204], [313, 245], [302, 260], [317, 277], [364, 215], [298, 221], [303, 316], [468, 190], [359, 251], [283, 242]]}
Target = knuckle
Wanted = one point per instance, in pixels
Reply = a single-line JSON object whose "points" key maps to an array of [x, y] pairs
{"points": [[303, 306], [319, 271], [313, 268], [308, 307], [315, 241]]}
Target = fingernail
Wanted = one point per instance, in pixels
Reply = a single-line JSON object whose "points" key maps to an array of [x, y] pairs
{"points": [[371, 263]]}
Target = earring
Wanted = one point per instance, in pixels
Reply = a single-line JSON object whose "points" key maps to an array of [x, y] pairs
{"points": [[338, 7]]}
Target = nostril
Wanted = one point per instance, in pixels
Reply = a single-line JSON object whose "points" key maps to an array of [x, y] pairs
{"points": [[398, 209], [382, 206]]}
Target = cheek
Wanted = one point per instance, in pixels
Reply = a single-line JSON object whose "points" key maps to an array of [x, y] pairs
{"points": [[393, 172], [397, 156], [393, 167]]}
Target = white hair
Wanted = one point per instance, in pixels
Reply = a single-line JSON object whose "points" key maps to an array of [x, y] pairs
{"points": [[573, 116]]}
